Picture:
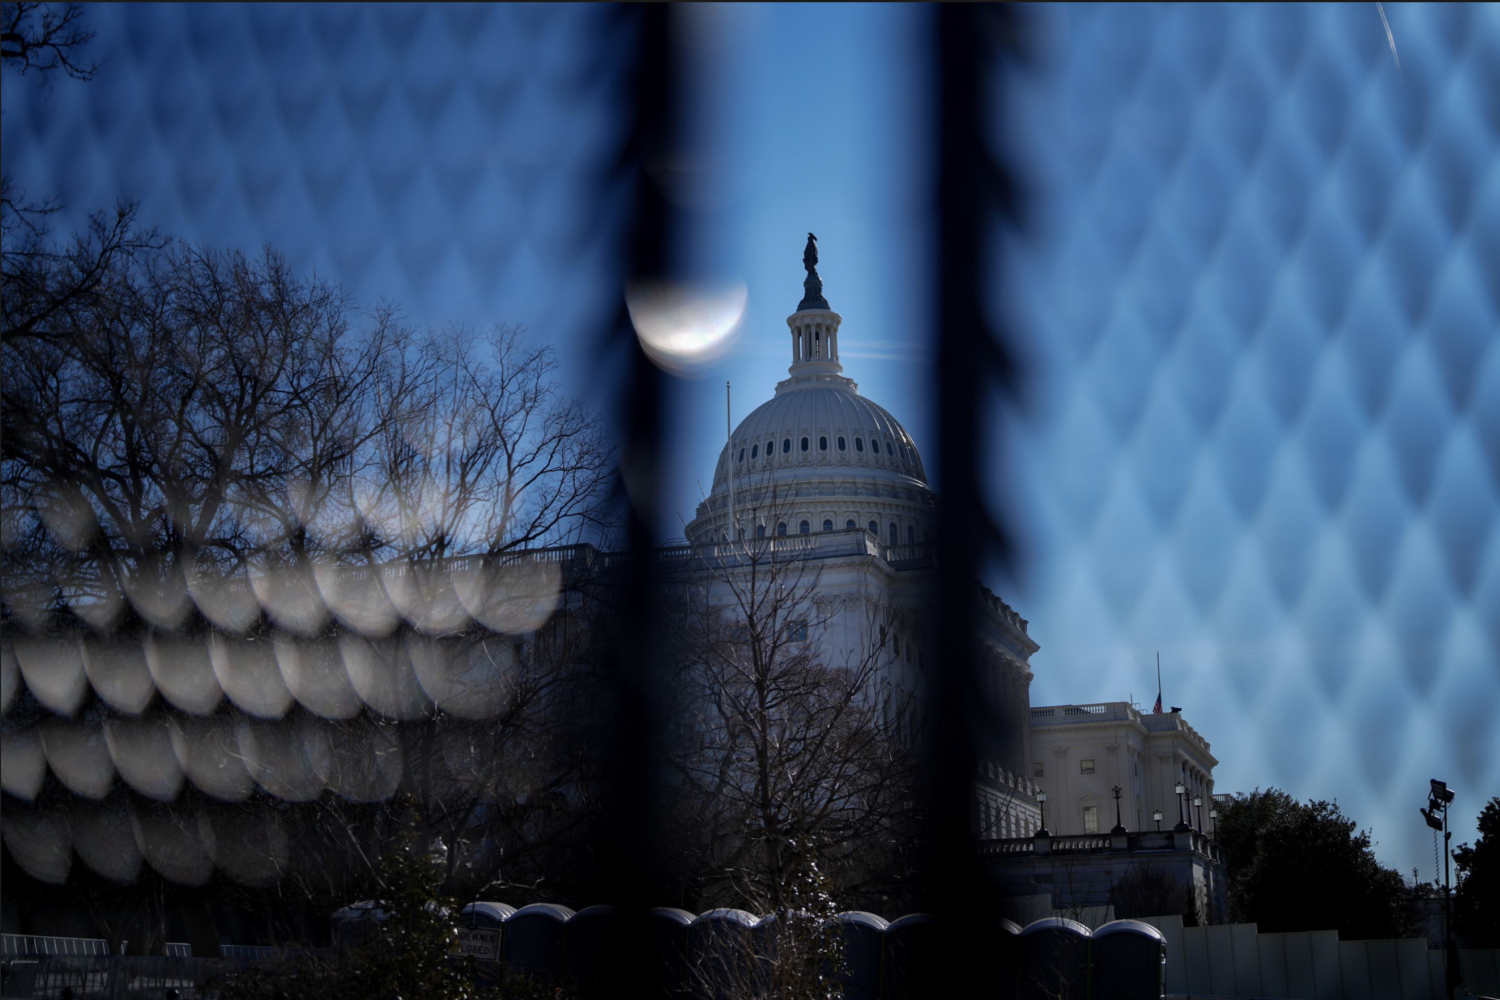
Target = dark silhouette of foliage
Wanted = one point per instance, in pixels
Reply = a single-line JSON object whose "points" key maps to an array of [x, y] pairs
{"points": [[1296, 866], [1476, 905], [1148, 891], [408, 949]]}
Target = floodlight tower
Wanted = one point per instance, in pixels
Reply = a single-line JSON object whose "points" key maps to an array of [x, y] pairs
{"points": [[1439, 798]]}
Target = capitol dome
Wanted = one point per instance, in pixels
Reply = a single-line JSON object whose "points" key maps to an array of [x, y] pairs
{"points": [[817, 456]]}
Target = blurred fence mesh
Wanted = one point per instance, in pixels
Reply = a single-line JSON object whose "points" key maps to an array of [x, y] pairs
{"points": [[1257, 307], [1253, 301], [200, 633]]}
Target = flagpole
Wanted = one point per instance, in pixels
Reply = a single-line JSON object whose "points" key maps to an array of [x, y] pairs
{"points": [[1158, 683]]}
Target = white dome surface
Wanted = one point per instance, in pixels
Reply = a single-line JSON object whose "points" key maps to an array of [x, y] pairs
{"points": [[816, 426], [818, 456]]}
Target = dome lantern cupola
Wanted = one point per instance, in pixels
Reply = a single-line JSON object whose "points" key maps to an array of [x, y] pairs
{"points": [[817, 457], [814, 326]]}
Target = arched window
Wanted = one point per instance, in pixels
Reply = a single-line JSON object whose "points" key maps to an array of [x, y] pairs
{"points": [[786, 446], [895, 534], [874, 529], [841, 444], [805, 528], [760, 531], [874, 446], [888, 449], [804, 444], [742, 534], [770, 447], [911, 534], [754, 450], [849, 524], [827, 524], [781, 529], [822, 444], [859, 444], [742, 454]]}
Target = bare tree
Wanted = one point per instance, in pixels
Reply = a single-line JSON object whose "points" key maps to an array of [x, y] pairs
{"points": [[483, 453], [784, 739], [211, 447], [41, 278], [195, 415], [45, 37], [478, 459], [45, 282]]}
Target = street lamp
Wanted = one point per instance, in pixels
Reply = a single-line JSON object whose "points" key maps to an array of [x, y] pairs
{"points": [[1198, 804], [1213, 817], [1436, 815], [1041, 800], [1119, 826], [1181, 826], [1156, 815]]}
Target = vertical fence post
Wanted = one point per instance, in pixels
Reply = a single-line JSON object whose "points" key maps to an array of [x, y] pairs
{"points": [[969, 195], [626, 850]]}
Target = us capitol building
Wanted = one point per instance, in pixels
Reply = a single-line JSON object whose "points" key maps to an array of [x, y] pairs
{"points": [[825, 482], [820, 473]]}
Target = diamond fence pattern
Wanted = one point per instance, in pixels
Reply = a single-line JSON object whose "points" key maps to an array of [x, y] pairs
{"points": [[412, 153], [464, 163], [1258, 306], [1259, 303]]}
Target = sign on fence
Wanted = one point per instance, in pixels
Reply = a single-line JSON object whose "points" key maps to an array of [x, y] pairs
{"points": [[481, 942]]}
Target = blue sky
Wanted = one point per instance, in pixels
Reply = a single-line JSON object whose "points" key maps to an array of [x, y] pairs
{"points": [[1256, 304]]}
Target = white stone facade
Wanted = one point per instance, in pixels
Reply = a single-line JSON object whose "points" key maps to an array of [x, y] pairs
{"points": [[1079, 753]]}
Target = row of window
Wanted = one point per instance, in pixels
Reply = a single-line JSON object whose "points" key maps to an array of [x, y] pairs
{"points": [[805, 528], [806, 445], [1085, 766]]}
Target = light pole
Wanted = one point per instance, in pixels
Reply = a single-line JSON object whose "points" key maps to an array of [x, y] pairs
{"points": [[1181, 826], [1213, 817], [1119, 826], [1438, 800], [1156, 815], [1198, 805], [1041, 800]]}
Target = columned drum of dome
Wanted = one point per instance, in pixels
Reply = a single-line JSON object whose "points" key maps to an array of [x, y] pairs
{"points": [[817, 451]]}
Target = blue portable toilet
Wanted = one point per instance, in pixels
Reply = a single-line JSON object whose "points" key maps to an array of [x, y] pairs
{"points": [[1129, 961], [721, 949], [1003, 955], [485, 913], [590, 942], [861, 937], [1054, 959], [764, 937], [666, 938], [910, 956], [480, 928], [356, 923], [531, 940]]}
